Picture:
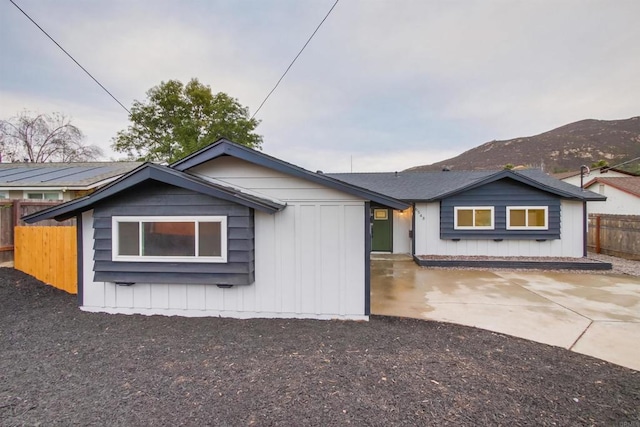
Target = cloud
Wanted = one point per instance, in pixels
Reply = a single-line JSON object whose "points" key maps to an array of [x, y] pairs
{"points": [[384, 82]]}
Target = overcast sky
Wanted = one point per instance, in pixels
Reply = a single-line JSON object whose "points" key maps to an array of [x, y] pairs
{"points": [[390, 84]]}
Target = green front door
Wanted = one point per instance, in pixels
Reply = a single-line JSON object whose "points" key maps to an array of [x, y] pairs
{"points": [[382, 230]]}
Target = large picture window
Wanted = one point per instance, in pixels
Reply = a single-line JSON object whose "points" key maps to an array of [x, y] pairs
{"points": [[473, 218], [169, 239], [527, 218]]}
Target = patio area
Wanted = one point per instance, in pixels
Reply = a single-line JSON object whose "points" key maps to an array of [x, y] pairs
{"points": [[593, 314]]}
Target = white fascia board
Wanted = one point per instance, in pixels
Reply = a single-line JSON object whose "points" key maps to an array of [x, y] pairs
{"points": [[35, 188]]}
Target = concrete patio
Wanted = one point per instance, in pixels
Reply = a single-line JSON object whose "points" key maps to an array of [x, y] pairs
{"points": [[593, 314]]}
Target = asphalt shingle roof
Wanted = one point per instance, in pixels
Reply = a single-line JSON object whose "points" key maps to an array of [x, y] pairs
{"points": [[153, 172], [426, 186], [628, 184]]}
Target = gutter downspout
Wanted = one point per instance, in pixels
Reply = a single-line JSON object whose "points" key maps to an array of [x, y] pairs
{"points": [[584, 228], [367, 258], [584, 170], [80, 260], [413, 230]]}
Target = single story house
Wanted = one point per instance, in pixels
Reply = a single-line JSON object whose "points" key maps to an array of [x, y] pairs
{"points": [[619, 186], [574, 178], [227, 231], [623, 195], [230, 231], [503, 213], [57, 181]]}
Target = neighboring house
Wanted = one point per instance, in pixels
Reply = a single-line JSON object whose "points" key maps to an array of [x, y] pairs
{"points": [[478, 213], [604, 172], [619, 186], [57, 181], [230, 231], [623, 195], [227, 231]]}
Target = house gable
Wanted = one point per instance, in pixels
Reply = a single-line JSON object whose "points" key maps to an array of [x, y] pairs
{"points": [[159, 200], [272, 183], [153, 172], [541, 182], [224, 147], [499, 196], [629, 185]]}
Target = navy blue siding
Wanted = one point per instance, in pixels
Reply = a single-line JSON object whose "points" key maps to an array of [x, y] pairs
{"points": [[500, 194], [150, 199]]}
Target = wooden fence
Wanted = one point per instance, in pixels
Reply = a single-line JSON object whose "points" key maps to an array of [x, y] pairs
{"points": [[617, 235], [49, 254], [10, 213]]}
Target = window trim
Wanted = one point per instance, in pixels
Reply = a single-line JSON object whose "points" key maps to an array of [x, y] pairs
{"points": [[192, 219], [25, 194], [383, 217], [4, 195], [526, 216], [474, 227]]}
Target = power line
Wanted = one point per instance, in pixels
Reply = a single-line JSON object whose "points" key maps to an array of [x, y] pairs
{"points": [[294, 59], [623, 163], [69, 55]]}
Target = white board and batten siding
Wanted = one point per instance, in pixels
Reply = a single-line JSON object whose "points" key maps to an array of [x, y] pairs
{"points": [[570, 244], [618, 202], [401, 230], [309, 258]]}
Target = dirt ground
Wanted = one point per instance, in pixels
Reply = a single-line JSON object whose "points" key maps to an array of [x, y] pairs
{"points": [[61, 366]]}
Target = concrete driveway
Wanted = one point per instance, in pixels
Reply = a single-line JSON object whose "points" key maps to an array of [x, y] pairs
{"points": [[593, 314]]}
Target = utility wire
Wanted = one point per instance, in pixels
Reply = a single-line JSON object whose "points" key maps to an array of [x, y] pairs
{"points": [[623, 163], [294, 59], [69, 55]]}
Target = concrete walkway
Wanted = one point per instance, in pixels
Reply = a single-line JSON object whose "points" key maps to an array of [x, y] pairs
{"points": [[593, 314]]}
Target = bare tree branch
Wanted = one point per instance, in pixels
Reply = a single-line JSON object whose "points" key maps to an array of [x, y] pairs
{"points": [[44, 138]]}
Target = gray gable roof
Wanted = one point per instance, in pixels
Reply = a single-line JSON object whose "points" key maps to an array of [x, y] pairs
{"points": [[56, 175], [153, 172], [224, 147], [431, 186]]}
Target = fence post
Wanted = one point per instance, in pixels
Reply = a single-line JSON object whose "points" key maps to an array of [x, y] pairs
{"points": [[597, 234], [16, 212]]}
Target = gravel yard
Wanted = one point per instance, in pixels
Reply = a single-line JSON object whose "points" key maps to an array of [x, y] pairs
{"points": [[61, 366], [620, 265]]}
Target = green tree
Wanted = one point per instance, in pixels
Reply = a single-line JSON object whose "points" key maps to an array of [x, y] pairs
{"points": [[176, 120], [599, 164]]}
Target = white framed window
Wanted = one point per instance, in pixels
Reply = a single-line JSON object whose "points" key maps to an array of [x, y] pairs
{"points": [[169, 239], [4, 194], [473, 218], [527, 217], [43, 195]]}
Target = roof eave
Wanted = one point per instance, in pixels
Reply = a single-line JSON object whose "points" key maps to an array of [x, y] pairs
{"points": [[60, 187], [612, 184], [519, 178], [149, 171], [224, 147]]}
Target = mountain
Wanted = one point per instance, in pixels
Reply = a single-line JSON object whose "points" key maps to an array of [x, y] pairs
{"points": [[558, 150]]}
